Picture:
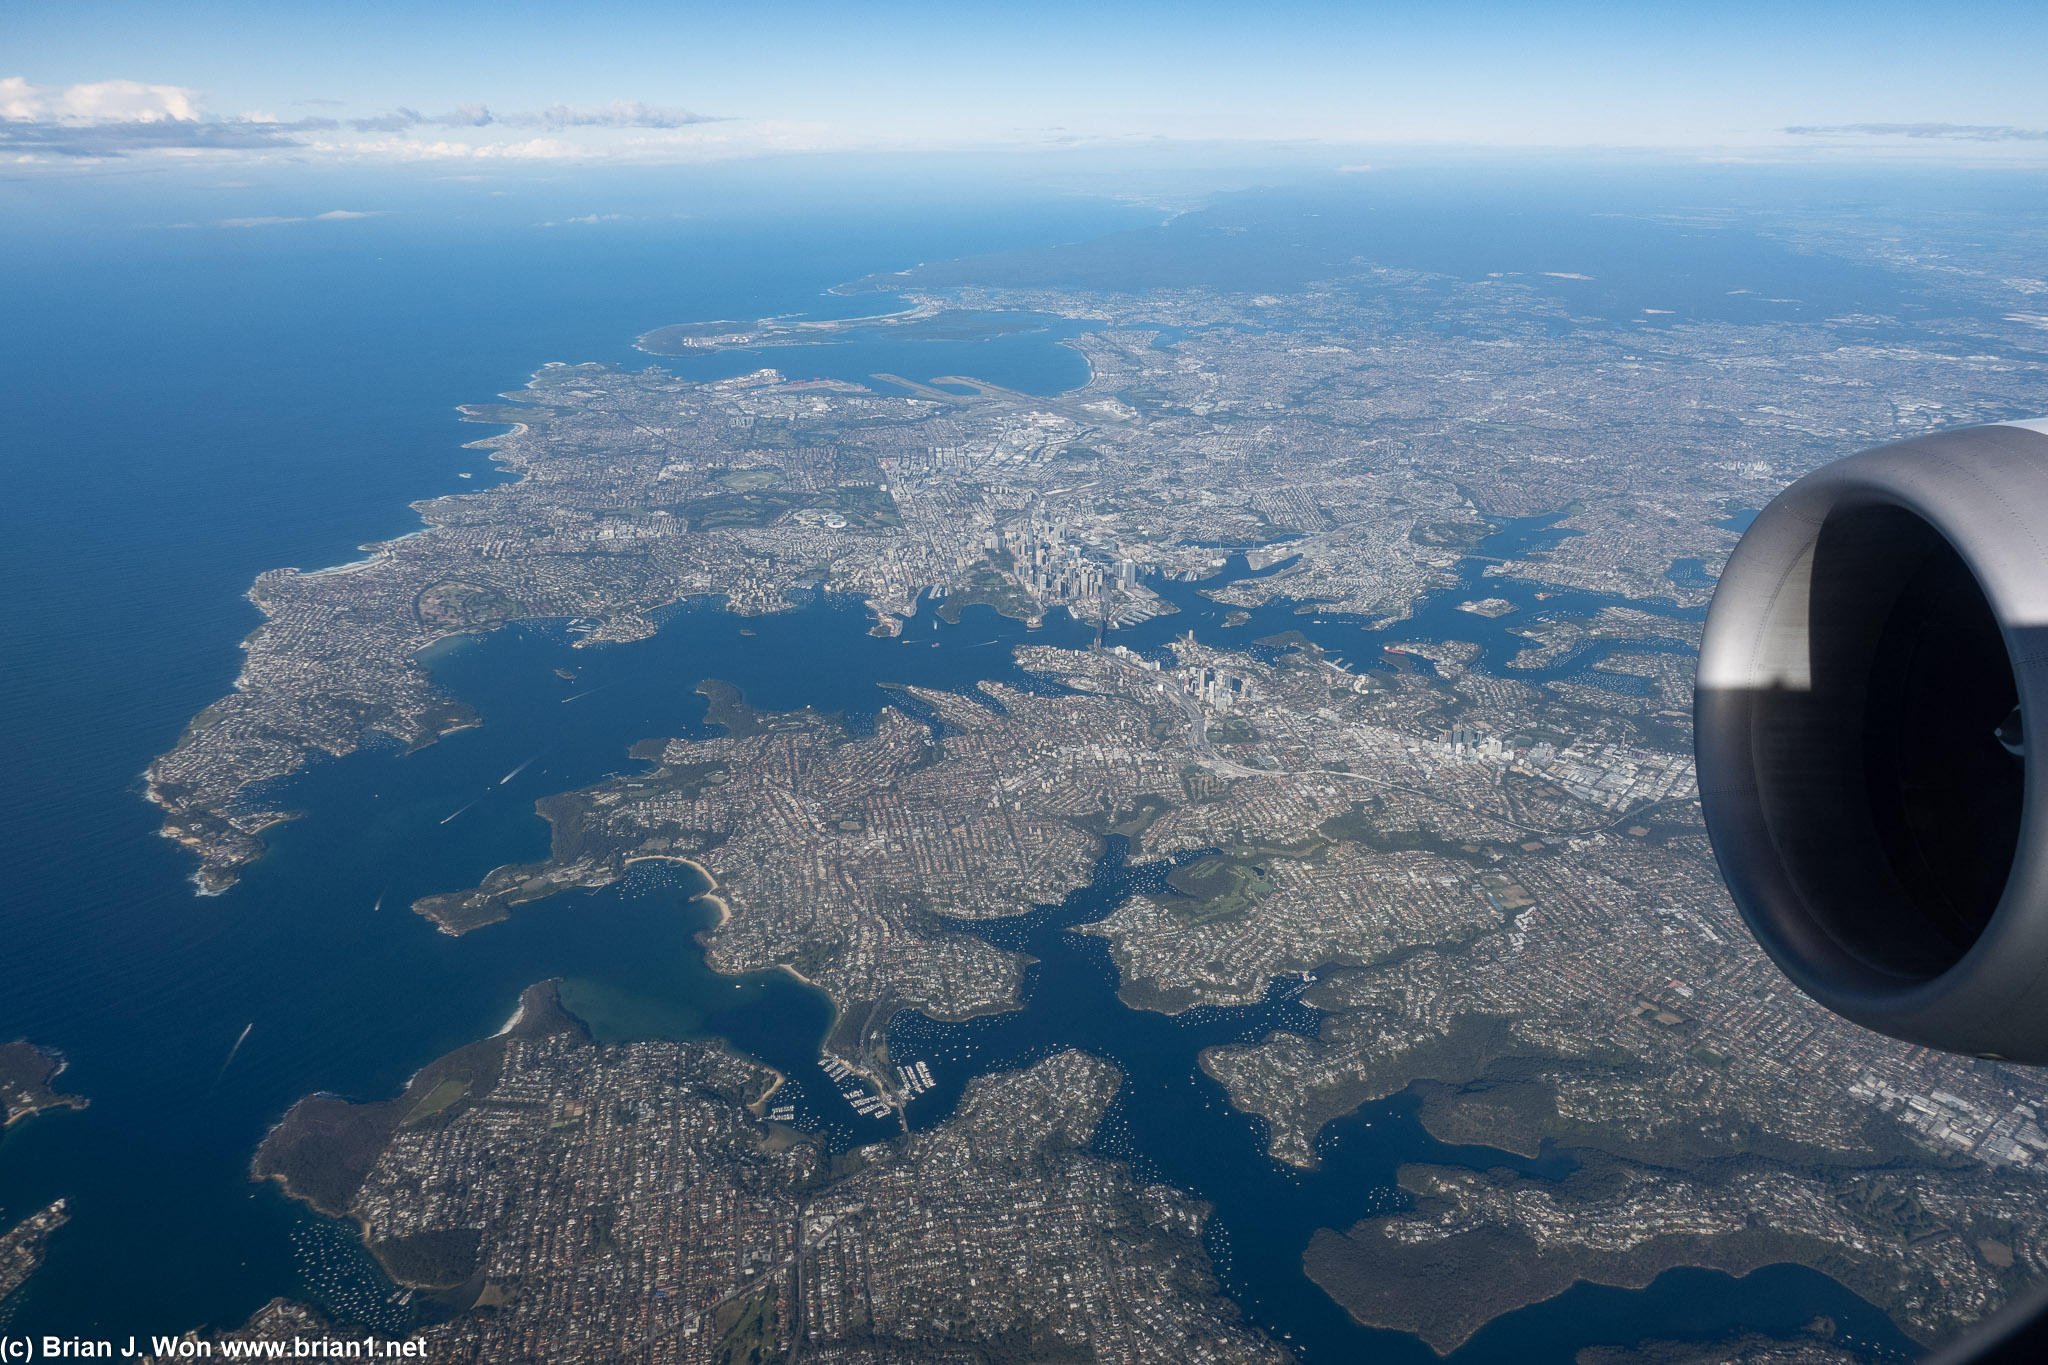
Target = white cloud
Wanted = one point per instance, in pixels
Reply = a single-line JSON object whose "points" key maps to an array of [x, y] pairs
{"points": [[450, 149], [1945, 132], [275, 220], [97, 102], [122, 119], [110, 119], [103, 120], [617, 114]]}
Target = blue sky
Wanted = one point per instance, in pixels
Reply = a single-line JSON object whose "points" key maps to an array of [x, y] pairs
{"points": [[89, 84]]}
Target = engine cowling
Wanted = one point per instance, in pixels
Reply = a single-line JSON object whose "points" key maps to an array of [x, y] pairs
{"points": [[1874, 662]]}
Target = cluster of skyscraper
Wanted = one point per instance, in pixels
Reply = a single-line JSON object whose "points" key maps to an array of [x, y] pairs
{"points": [[1059, 570]]}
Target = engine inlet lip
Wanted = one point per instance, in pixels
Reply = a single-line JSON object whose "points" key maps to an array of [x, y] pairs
{"points": [[1984, 490]]}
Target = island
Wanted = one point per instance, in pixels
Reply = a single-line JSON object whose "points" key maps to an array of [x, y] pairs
{"points": [[26, 1072]]}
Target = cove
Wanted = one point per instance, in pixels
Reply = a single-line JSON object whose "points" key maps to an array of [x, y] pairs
{"points": [[1175, 1124]]}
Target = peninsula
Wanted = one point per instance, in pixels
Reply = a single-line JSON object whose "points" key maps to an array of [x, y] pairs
{"points": [[562, 1200]]}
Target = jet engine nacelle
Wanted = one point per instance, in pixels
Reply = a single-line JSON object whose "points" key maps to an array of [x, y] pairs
{"points": [[1874, 667]]}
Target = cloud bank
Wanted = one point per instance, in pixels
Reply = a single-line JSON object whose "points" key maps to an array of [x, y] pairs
{"points": [[617, 114], [1950, 132], [120, 118], [108, 101], [114, 120], [271, 220]]}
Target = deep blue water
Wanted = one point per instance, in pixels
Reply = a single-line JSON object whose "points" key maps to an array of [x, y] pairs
{"points": [[188, 408], [194, 406]]}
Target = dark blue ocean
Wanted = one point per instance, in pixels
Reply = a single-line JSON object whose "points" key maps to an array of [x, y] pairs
{"points": [[190, 405]]}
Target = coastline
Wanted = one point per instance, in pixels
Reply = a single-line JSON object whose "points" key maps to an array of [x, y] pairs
{"points": [[200, 779], [456, 913], [1393, 1287], [770, 332]]}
